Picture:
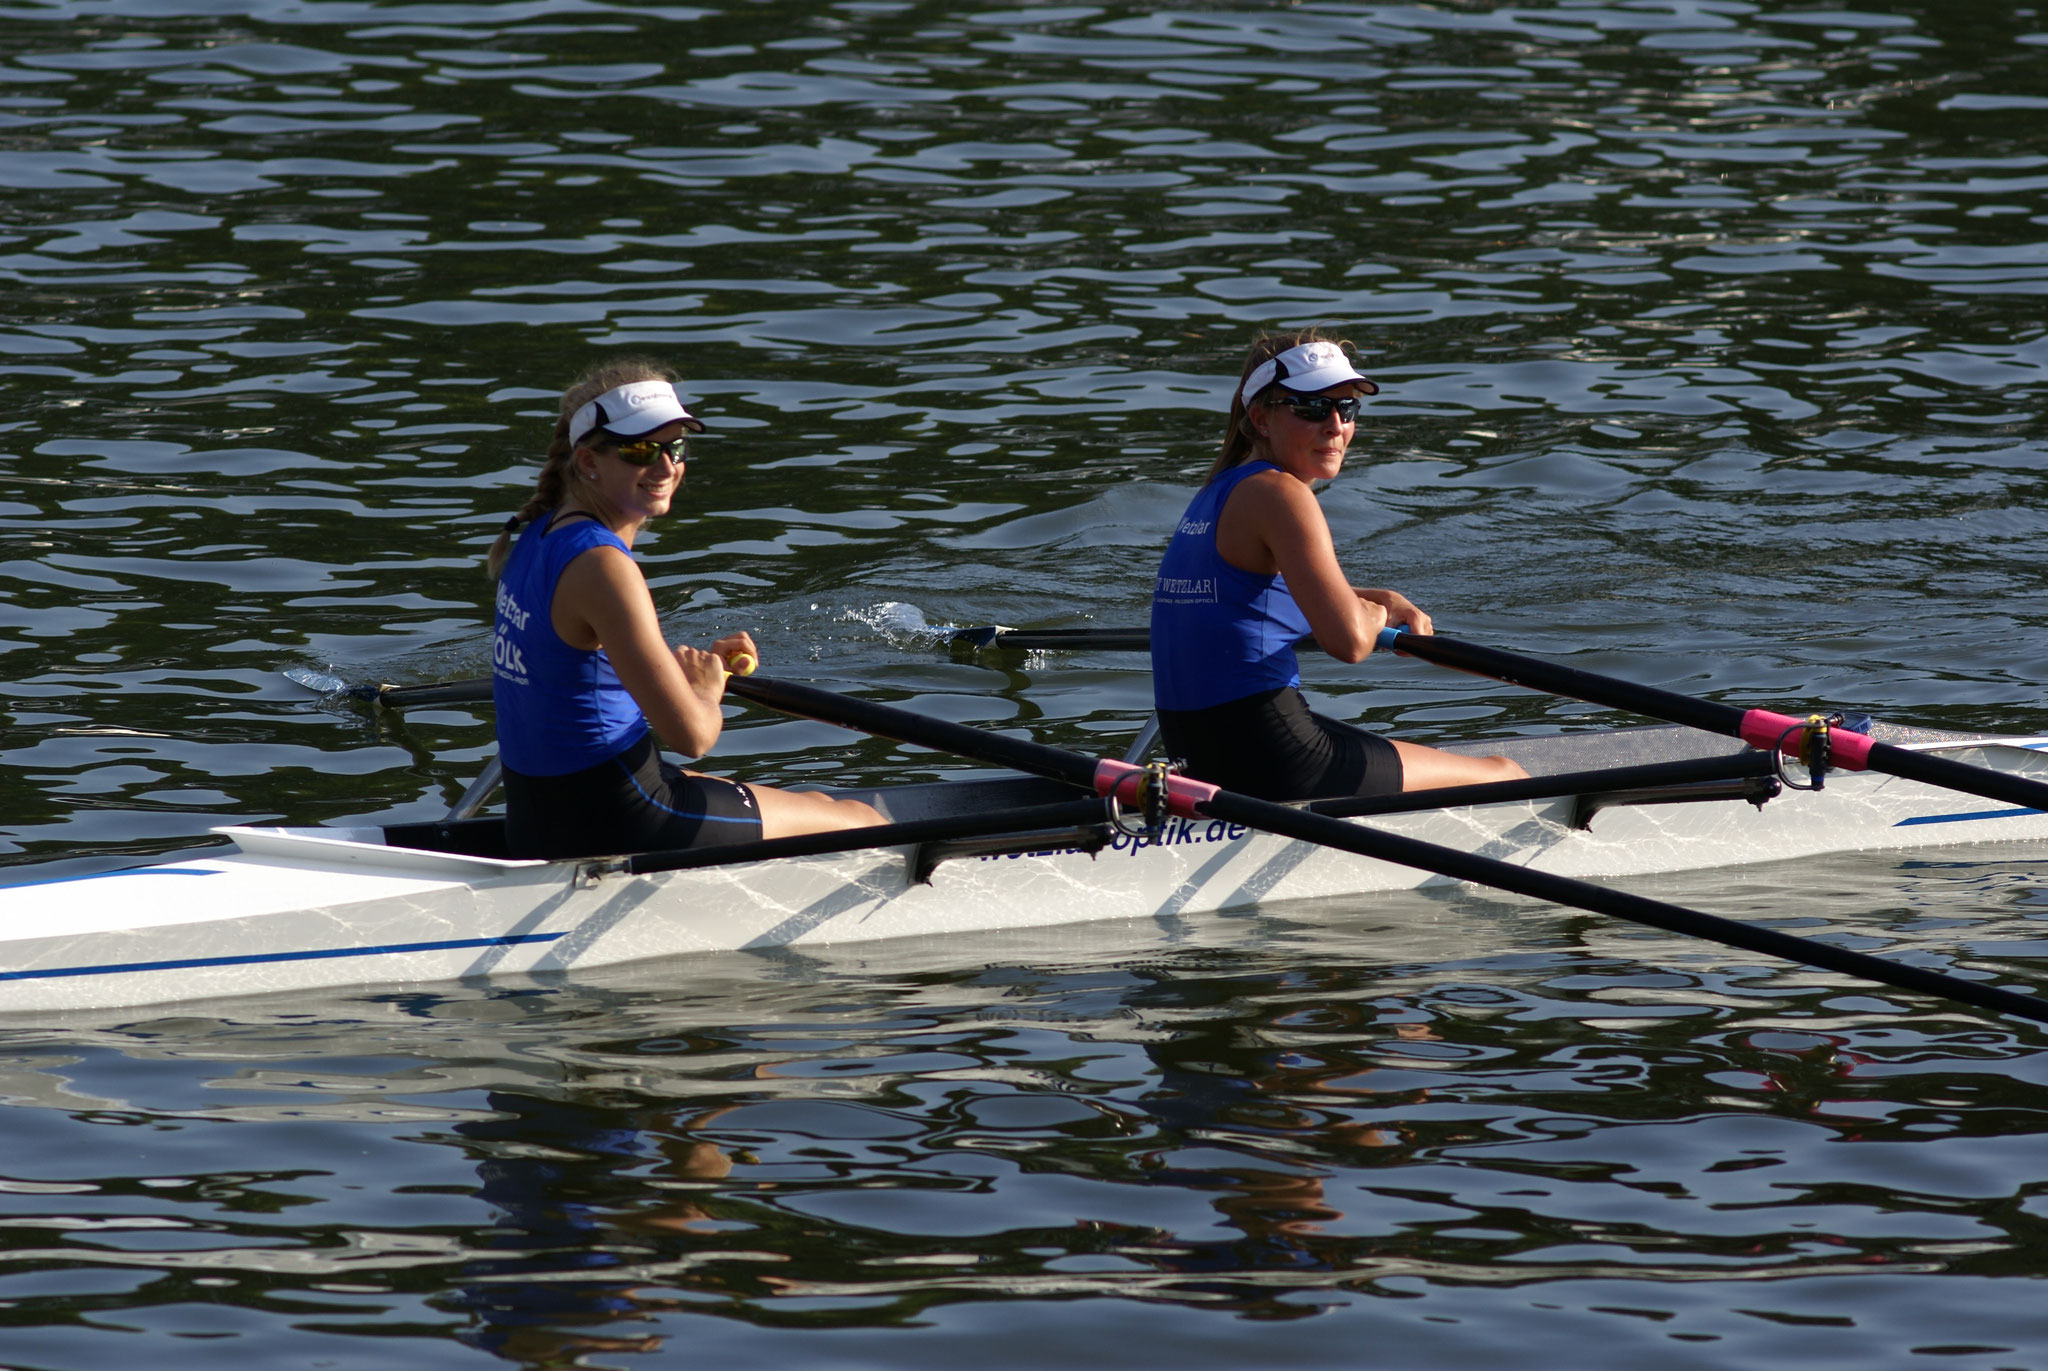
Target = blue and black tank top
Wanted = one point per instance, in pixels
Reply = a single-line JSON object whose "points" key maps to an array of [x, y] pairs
{"points": [[1219, 633], [560, 709]]}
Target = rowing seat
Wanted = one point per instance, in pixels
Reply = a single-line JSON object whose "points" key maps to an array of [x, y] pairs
{"points": [[466, 837]]}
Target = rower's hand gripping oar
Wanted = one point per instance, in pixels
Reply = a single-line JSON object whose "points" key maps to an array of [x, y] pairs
{"points": [[1811, 740], [1158, 791]]}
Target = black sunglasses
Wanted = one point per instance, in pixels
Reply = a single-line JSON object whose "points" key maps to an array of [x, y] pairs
{"points": [[642, 452], [1314, 409]]}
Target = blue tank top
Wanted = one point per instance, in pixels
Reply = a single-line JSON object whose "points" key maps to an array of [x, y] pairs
{"points": [[560, 709], [1219, 633]]}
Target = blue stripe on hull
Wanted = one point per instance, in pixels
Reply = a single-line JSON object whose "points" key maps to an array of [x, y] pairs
{"points": [[125, 872], [320, 954], [1963, 818]]}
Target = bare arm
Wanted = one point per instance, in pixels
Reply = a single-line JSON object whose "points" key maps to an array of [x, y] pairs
{"points": [[1272, 523], [602, 600]]}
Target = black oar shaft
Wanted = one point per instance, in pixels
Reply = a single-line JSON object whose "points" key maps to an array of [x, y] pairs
{"points": [[470, 690], [1950, 774], [1059, 764], [1543, 885], [1710, 716], [886, 721], [1058, 639], [1549, 677]]}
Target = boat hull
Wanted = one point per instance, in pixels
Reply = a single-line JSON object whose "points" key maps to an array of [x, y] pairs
{"points": [[301, 909]]}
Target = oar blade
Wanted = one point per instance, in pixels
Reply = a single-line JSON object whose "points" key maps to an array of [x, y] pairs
{"points": [[470, 690], [319, 682]]}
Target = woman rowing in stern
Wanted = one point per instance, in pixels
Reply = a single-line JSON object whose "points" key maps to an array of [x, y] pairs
{"points": [[583, 679], [1251, 571]]}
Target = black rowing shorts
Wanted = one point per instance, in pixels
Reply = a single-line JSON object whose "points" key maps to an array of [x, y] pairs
{"points": [[1272, 746], [634, 802]]}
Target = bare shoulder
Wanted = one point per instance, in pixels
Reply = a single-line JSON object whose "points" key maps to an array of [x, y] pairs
{"points": [[1272, 497], [600, 566], [603, 588], [1267, 520]]}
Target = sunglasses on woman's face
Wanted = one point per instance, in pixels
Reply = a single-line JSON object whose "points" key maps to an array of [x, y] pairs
{"points": [[643, 452], [1314, 409]]}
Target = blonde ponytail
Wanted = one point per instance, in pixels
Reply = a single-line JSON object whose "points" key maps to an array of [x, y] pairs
{"points": [[552, 483]]}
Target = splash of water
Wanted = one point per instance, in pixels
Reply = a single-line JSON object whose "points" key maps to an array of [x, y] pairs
{"points": [[901, 623], [320, 681]]}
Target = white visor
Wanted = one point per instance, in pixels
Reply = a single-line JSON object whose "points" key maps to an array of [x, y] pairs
{"points": [[630, 410], [1307, 368]]}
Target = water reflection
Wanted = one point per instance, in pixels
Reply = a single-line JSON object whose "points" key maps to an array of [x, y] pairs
{"points": [[580, 1192], [1258, 1126]]}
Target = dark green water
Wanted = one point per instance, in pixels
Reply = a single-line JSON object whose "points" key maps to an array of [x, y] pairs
{"points": [[1714, 347]]}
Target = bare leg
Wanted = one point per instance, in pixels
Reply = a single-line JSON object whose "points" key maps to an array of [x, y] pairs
{"points": [[787, 813], [1428, 768]]}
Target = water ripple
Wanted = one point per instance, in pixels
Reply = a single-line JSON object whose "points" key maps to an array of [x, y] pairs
{"points": [[1712, 355]]}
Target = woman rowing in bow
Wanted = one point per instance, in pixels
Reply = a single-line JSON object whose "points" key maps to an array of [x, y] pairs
{"points": [[583, 679], [1251, 570]]}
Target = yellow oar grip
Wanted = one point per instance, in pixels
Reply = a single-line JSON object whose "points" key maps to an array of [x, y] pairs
{"points": [[740, 664]]}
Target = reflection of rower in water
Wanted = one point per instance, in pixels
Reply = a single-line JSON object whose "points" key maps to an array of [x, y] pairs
{"points": [[569, 1183], [1219, 1090]]}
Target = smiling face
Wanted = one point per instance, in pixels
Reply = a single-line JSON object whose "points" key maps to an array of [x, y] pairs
{"points": [[1306, 449], [622, 492]]}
